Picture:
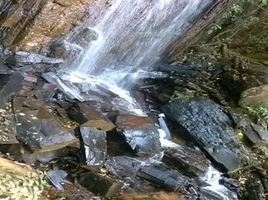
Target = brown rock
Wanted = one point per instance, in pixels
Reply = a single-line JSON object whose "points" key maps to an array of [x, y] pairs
{"points": [[88, 116], [54, 20], [132, 121], [255, 97]]}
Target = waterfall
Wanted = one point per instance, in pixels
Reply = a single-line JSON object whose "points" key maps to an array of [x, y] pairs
{"points": [[132, 36]]}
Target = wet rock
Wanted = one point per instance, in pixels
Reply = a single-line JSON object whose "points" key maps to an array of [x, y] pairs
{"points": [[123, 166], [85, 36], [9, 86], [66, 50], [205, 194], [95, 145], [65, 86], [99, 184], [203, 122], [32, 58], [255, 97], [89, 117], [188, 161], [162, 176], [144, 140]]}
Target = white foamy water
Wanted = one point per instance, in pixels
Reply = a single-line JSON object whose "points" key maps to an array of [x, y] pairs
{"points": [[212, 177]]}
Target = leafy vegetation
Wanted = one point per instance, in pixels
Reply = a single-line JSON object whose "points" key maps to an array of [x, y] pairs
{"points": [[259, 113], [15, 186]]}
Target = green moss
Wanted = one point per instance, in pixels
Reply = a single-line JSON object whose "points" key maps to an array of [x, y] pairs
{"points": [[183, 95], [258, 113]]}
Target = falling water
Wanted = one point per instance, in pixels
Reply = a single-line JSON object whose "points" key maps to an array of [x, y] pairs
{"points": [[136, 33], [132, 36]]}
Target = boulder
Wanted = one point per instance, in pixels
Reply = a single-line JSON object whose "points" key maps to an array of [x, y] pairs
{"points": [[203, 122], [255, 97]]}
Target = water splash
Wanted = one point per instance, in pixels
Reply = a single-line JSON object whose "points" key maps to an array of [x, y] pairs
{"points": [[132, 36], [212, 177]]}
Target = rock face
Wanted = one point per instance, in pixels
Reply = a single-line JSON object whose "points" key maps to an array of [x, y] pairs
{"points": [[31, 25], [203, 122]]}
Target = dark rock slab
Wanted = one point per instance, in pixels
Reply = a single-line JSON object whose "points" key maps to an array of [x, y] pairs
{"points": [[123, 166], [42, 134], [10, 85], [203, 121], [162, 176], [144, 139], [188, 161], [99, 184], [88, 116], [95, 145]]}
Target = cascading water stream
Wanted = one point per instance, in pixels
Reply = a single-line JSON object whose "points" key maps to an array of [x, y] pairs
{"points": [[132, 36]]}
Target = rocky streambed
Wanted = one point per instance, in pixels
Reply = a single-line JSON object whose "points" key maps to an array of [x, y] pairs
{"points": [[188, 144]]}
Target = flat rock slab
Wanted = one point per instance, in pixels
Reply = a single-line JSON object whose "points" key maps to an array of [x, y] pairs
{"points": [[188, 161], [95, 145], [203, 121], [42, 134], [99, 184], [88, 116], [144, 140]]}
